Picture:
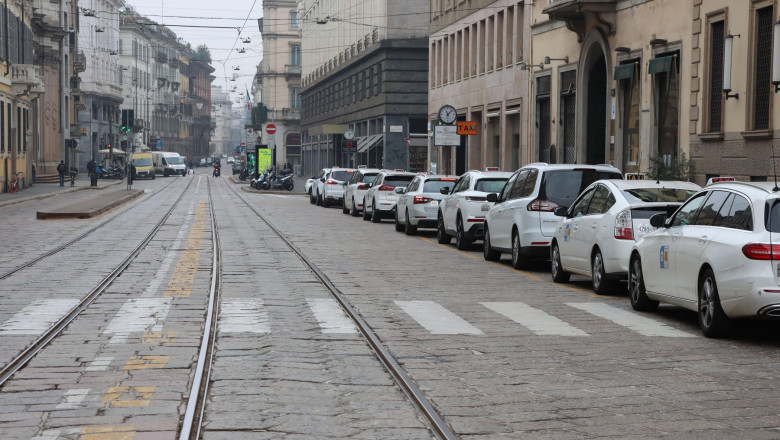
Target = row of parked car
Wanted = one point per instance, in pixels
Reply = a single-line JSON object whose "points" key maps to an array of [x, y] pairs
{"points": [[710, 250]]}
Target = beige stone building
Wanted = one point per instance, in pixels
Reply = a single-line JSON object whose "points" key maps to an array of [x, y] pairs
{"points": [[279, 78], [733, 135], [478, 55]]}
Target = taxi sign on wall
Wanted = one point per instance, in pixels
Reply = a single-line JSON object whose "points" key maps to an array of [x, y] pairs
{"points": [[467, 128]]}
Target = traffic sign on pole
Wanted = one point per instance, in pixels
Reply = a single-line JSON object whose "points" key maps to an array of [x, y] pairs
{"points": [[270, 128]]}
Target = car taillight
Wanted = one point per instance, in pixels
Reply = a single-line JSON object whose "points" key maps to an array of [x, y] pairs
{"points": [[331, 182], [476, 198], [386, 188], [421, 199], [362, 187], [624, 229], [762, 251], [541, 205]]}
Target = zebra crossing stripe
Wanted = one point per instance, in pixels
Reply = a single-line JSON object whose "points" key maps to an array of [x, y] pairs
{"points": [[331, 317], [436, 319], [37, 317], [138, 315], [244, 316], [631, 320], [539, 322]]}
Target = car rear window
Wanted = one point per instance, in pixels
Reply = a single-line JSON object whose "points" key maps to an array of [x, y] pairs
{"points": [[675, 195], [434, 186], [341, 176], [369, 178], [563, 186], [402, 181], [772, 215], [490, 185]]}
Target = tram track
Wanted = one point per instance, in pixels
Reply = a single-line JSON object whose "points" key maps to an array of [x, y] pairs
{"points": [[425, 409], [44, 339], [54, 251]]}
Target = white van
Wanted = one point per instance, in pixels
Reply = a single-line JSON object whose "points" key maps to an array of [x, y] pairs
{"points": [[168, 163]]}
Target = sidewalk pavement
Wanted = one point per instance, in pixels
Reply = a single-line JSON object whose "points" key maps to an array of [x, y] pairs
{"points": [[40, 191]]}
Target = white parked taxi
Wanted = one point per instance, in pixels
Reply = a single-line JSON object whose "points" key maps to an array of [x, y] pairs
{"points": [[595, 235], [356, 189], [418, 203], [462, 211], [716, 256], [380, 199]]}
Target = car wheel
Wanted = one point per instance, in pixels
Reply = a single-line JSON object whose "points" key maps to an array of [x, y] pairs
{"points": [[712, 320], [154, 176], [353, 211], [487, 252], [344, 209], [409, 229], [375, 218], [601, 285], [518, 260], [441, 234], [319, 200], [556, 269], [365, 212], [636, 287], [312, 199], [398, 226], [461, 242]]}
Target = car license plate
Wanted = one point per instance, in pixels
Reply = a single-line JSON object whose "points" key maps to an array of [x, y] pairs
{"points": [[435, 203]]}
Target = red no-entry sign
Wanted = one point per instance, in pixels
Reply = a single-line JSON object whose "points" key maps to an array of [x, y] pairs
{"points": [[270, 128]]}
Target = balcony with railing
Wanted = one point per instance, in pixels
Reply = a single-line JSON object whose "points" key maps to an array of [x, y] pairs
{"points": [[27, 77], [292, 69], [285, 114], [80, 63]]}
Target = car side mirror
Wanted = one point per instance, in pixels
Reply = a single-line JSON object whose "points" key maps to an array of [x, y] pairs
{"points": [[561, 211], [322, 179], [444, 190], [400, 190], [658, 220], [492, 197]]}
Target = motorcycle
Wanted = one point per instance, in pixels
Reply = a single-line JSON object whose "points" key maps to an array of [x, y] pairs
{"points": [[112, 173], [216, 171], [283, 181], [261, 180]]}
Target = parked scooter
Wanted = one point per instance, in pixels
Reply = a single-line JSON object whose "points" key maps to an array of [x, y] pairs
{"points": [[283, 181], [261, 181]]}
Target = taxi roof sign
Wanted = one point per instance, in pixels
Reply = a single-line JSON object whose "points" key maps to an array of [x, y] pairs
{"points": [[492, 169], [635, 176], [400, 170], [360, 167], [720, 179]]}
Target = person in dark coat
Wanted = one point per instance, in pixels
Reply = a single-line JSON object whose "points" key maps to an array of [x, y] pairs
{"points": [[61, 169]]}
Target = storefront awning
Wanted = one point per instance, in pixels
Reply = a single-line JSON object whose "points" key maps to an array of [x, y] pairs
{"points": [[624, 71], [661, 64], [369, 142]]}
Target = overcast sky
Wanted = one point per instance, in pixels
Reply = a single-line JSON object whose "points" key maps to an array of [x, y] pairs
{"points": [[223, 43]]}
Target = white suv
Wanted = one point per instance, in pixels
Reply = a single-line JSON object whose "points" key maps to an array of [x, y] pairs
{"points": [[356, 189], [522, 221], [462, 211], [380, 199]]}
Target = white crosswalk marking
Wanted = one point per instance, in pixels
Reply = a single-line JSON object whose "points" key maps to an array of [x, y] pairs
{"points": [[138, 315], [535, 320], [100, 363], [631, 320], [436, 319], [37, 317], [331, 317], [73, 398], [243, 316]]}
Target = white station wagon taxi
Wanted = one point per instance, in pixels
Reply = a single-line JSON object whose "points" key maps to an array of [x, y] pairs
{"points": [[716, 255]]}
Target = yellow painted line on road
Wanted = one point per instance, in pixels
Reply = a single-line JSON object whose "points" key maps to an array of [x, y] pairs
{"points": [[180, 284], [144, 362], [159, 338], [124, 397], [117, 432], [521, 272]]}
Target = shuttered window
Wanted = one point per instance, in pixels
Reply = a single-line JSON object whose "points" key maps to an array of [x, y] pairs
{"points": [[763, 67], [716, 77]]}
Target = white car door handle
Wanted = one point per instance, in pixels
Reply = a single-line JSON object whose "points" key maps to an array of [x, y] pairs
{"points": [[702, 239]]}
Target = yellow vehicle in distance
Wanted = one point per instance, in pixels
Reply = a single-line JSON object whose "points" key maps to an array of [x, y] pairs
{"points": [[144, 169]]}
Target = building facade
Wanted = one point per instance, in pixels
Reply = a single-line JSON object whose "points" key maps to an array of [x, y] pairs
{"points": [[368, 72], [733, 127], [222, 141], [478, 64], [279, 78], [21, 85], [100, 85]]}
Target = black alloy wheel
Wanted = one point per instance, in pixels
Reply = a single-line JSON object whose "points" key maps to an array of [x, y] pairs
{"points": [[519, 261], [398, 226], [556, 268], [636, 287], [601, 285], [409, 229], [441, 234], [461, 242], [375, 218], [712, 320], [353, 211], [487, 252]]}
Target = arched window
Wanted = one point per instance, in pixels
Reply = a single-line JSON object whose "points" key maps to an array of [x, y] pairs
{"points": [[295, 55], [294, 19]]}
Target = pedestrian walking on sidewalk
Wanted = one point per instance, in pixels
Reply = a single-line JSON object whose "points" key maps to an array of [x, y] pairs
{"points": [[61, 169], [91, 172]]}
